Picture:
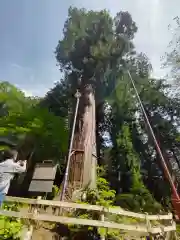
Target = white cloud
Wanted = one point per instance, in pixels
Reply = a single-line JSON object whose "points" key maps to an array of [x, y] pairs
{"points": [[34, 82], [14, 65], [39, 91], [27, 93]]}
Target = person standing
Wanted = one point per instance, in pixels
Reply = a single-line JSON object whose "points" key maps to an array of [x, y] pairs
{"points": [[9, 166]]}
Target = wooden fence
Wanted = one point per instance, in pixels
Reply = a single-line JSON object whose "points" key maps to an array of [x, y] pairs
{"points": [[148, 224]]}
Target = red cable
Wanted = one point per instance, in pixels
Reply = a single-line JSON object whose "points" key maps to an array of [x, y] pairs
{"points": [[166, 170]]}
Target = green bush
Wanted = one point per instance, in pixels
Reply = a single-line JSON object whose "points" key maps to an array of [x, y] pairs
{"points": [[102, 196], [10, 227]]}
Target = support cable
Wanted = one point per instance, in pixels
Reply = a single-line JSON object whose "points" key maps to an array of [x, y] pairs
{"points": [[154, 139]]}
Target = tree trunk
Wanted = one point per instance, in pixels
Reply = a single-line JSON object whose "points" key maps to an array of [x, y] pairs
{"points": [[82, 170], [90, 158]]}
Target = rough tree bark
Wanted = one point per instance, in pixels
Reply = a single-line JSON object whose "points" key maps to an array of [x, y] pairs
{"points": [[82, 170]]}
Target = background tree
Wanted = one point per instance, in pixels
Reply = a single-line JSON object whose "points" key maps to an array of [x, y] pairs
{"points": [[171, 59], [30, 124]]}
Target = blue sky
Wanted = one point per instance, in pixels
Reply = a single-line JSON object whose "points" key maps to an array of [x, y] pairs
{"points": [[30, 30]]}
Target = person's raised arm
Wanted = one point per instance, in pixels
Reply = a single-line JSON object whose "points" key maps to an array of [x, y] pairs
{"points": [[20, 166]]}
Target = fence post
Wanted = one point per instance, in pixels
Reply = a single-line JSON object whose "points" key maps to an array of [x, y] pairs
{"points": [[148, 225], [29, 233], [102, 234]]}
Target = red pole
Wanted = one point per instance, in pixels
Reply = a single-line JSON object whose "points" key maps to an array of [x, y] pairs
{"points": [[166, 170]]}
